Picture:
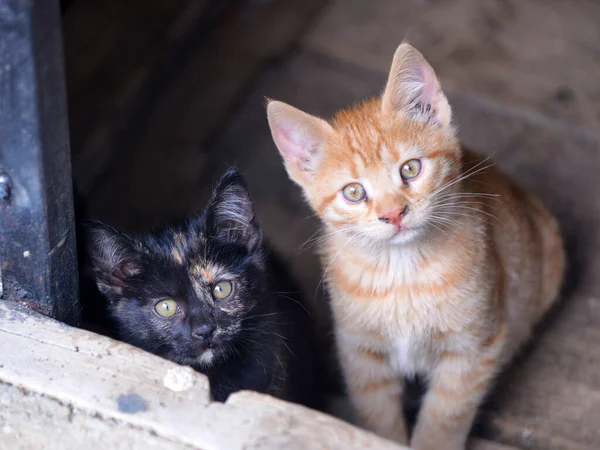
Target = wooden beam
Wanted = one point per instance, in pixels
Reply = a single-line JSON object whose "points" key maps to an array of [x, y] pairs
{"points": [[37, 238]]}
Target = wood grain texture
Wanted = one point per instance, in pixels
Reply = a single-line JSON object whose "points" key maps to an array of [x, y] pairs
{"points": [[33, 421]]}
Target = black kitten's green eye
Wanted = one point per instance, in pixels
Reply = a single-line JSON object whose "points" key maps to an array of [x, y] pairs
{"points": [[410, 169], [166, 308], [354, 192], [223, 289]]}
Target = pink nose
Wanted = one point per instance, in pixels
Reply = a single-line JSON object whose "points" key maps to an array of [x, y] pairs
{"points": [[395, 217]]}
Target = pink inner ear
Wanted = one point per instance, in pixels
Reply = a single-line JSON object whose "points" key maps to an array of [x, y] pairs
{"points": [[297, 148], [413, 87], [299, 138], [290, 147], [430, 86]]}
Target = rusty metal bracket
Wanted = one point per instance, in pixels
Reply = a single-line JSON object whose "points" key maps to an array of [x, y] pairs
{"points": [[37, 235]]}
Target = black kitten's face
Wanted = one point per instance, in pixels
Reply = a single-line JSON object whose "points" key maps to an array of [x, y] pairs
{"points": [[187, 293], [191, 298]]}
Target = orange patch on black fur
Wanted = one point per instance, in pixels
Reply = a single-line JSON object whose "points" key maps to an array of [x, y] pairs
{"points": [[177, 256], [207, 275]]}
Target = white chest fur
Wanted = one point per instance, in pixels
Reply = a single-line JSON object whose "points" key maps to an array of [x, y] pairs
{"points": [[409, 355]]}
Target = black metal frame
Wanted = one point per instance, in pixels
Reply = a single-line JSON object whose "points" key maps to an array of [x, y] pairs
{"points": [[37, 236]]}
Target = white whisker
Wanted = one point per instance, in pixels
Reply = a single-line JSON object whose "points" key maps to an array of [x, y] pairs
{"points": [[467, 174], [320, 239]]}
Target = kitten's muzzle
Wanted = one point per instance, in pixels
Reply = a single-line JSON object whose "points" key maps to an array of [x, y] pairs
{"points": [[204, 333], [395, 217]]}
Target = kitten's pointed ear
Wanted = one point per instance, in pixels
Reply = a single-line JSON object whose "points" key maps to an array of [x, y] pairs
{"points": [[299, 138], [413, 88], [114, 258], [230, 213]]}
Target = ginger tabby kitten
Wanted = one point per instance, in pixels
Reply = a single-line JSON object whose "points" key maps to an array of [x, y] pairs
{"points": [[435, 262]]}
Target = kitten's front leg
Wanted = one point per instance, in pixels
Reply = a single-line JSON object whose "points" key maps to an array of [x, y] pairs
{"points": [[375, 390], [457, 387]]}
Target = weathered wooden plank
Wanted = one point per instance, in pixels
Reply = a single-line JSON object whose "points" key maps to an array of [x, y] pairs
{"points": [[554, 390], [117, 382], [539, 55], [33, 421]]}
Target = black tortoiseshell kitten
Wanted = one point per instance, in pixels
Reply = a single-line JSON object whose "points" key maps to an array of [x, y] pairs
{"points": [[207, 293]]}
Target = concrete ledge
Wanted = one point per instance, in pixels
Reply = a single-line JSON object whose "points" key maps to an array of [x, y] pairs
{"points": [[62, 387]]}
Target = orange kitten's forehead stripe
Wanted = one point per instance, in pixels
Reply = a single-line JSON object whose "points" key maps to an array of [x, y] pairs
{"points": [[370, 145], [367, 130]]}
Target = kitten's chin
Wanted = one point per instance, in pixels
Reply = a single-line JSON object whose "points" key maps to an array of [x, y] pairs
{"points": [[207, 358], [380, 238], [405, 236]]}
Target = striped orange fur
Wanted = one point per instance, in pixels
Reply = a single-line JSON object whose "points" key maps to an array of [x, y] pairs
{"points": [[444, 273]]}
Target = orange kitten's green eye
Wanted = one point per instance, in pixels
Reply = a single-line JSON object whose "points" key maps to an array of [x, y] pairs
{"points": [[410, 169], [354, 192], [223, 289], [166, 308]]}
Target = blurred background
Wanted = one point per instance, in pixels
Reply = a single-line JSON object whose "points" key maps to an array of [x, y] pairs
{"points": [[165, 95]]}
